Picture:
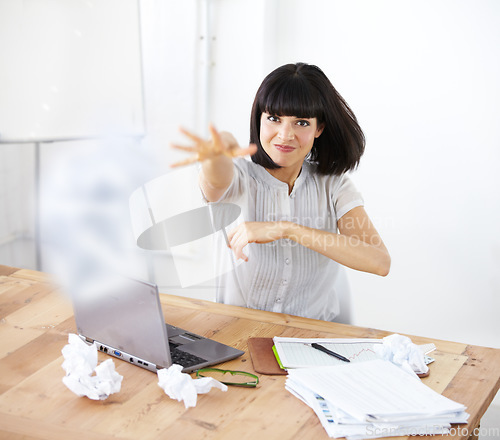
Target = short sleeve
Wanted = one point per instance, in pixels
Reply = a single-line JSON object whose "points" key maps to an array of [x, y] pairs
{"points": [[346, 196]]}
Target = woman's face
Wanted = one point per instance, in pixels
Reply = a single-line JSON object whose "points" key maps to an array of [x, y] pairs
{"points": [[288, 139]]}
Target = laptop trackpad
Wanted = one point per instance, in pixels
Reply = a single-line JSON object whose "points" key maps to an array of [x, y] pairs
{"points": [[208, 349]]}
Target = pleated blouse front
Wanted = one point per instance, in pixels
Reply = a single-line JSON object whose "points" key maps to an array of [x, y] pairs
{"points": [[284, 276]]}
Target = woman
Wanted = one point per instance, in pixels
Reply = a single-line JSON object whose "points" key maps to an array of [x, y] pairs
{"points": [[303, 215]]}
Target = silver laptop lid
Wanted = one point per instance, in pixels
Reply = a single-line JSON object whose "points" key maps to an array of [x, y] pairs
{"points": [[125, 314]]}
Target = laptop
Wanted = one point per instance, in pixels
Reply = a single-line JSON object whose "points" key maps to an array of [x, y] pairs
{"points": [[125, 320]]}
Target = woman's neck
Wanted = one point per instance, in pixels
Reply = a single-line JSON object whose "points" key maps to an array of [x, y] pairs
{"points": [[286, 175]]}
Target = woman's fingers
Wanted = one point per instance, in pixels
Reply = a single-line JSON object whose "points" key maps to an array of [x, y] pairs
{"points": [[250, 150], [200, 149], [192, 136], [189, 149], [237, 248], [184, 162], [253, 232], [237, 240], [224, 144], [216, 138]]}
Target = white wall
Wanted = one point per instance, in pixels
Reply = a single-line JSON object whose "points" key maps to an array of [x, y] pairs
{"points": [[17, 205], [69, 69]]}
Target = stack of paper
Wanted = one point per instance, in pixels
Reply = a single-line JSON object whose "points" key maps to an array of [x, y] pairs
{"points": [[373, 399]]}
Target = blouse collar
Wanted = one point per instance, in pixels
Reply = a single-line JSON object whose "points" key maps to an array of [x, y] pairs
{"points": [[274, 182]]}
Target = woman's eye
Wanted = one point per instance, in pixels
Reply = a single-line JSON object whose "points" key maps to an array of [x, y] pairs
{"points": [[273, 118], [303, 123]]}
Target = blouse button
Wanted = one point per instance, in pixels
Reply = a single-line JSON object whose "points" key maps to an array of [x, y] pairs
{"points": [[287, 260], [284, 282]]}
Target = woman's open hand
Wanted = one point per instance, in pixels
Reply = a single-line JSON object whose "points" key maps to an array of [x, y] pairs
{"points": [[220, 144]]}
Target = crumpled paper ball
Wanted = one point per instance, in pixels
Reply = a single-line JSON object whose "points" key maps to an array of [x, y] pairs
{"points": [[181, 386], [80, 361], [401, 351]]}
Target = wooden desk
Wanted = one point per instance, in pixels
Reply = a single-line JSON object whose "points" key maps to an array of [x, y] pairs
{"points": [[35, 321]]}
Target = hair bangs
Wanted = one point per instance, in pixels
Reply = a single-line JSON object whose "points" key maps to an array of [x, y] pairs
{"points": [[293, 97]]}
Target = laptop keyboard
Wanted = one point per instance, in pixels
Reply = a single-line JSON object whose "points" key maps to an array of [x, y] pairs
{"points": [[183, 358]]}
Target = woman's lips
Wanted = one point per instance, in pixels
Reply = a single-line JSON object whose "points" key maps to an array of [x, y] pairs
{"points": [[284, 148]]}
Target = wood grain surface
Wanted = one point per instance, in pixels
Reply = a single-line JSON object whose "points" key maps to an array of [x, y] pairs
{"points": [[36, 318]]}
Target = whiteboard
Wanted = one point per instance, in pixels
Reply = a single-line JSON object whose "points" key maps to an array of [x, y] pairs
{"points": [[70, 69]]}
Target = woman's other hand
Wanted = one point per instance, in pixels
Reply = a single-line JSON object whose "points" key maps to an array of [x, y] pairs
{"points": [[220, 144], [254, 232]]}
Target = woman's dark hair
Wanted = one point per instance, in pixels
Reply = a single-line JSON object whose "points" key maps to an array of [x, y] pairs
{"points": [[304, 91]]}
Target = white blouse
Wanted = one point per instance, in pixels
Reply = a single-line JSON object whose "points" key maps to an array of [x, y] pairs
{"points": [[284, 276]]}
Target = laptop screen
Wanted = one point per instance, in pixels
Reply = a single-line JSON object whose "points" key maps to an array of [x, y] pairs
{"points": [[127, 316]]}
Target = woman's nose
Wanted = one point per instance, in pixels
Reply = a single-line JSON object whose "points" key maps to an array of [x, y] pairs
{"points": [[286, 132]]}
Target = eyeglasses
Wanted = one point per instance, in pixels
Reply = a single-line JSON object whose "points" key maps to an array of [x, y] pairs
{"points": [[237, 378]]}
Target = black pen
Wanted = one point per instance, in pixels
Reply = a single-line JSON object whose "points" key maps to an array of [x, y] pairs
{"points": [[331, 353]]}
